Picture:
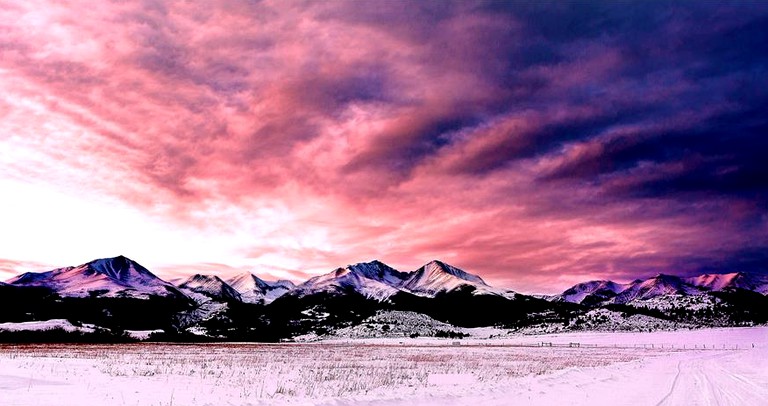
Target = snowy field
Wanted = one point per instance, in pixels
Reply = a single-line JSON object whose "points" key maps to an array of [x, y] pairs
{"points": [[699, 367]]}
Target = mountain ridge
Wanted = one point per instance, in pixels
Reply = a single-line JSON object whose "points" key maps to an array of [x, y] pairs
{"points": [[599, 292], [380, 281], [105, 277], [253, 289], [211, 286], [245, 307], [112, 277]]}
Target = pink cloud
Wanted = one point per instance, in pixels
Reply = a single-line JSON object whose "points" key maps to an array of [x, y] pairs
{"points": [[318, 134], [10, 268]]}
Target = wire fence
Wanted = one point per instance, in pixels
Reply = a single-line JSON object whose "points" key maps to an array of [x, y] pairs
{"points": [[665, 346], [576, 344]]}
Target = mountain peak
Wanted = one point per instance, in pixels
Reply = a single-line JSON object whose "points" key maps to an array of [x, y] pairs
{"points": [[247, 280], [377, 271], [436, 276], [211, 286], [373, 279], [119, 268], [253, 289], [110, 277], [200, 277], [437, 266], [592, 291], [734, 280]]}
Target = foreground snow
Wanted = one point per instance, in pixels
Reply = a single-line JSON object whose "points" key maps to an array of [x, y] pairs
{"points": [[606, 369]]}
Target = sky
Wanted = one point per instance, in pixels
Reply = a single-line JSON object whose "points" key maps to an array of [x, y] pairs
{"points": [[536, 144]]}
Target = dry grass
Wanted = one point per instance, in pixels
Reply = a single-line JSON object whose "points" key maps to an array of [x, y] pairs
{"points": [[257, 371]]}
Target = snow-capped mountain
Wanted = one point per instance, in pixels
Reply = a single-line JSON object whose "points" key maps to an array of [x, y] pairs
{"points": [[435, 290], [379, 271], [107, 277], [659, 285], [712, 282], [211, 286], [736, 280], [379, 281], [253, 289], [375, 280], [437, 276], [606, 292], [592, 292]]}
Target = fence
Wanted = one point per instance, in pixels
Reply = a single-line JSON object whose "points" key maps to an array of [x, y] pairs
{"points": [[664, 346]]}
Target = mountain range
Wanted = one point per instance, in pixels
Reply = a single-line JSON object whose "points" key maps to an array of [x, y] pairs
{"points": [[122, 277], [605, 292], [118, 293]]}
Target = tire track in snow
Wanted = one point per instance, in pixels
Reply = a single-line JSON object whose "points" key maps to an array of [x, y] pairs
{"points": [[735, 388], [714, 379], [674, 385]]}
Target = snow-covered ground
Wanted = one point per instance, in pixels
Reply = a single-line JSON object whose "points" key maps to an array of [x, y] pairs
{"points": [[605, 369], [52, 324]]}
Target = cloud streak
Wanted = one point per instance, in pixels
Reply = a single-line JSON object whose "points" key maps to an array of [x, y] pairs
{"points": [[534, 144]]}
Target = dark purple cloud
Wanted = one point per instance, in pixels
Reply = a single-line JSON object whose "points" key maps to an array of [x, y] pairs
{"points": [[535, 143]]}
